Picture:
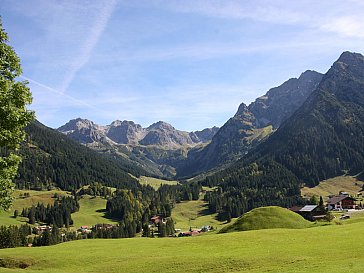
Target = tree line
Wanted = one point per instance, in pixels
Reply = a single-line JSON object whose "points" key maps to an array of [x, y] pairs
{"points": [[240, 189], [57, 215]]}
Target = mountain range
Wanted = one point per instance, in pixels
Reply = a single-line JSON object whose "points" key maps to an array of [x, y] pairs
{"points": [[127, 132], [159, 148], [164, 150]]}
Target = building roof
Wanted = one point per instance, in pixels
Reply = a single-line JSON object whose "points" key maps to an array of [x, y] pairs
{"points": [[295, 208], [338, 198], [308, 208]]}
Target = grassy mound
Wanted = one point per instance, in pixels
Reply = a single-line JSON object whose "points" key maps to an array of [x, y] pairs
{"points": [[267, 218]]}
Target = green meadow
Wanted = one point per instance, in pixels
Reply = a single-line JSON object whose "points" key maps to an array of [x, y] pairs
{"points": [[334, 185], [155, 182], [92, 209], [195, 214], [331, 248]]}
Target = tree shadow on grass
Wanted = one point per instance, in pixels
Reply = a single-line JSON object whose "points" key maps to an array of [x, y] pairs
{"points": [[205, 211], [107, 215]]}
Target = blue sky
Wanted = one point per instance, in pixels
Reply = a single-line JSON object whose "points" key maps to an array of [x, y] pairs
{"points": [[189, 62]]}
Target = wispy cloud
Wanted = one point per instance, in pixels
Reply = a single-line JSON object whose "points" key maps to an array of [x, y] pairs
{"points": [[335, 16], [88, 46], [346, 26]]}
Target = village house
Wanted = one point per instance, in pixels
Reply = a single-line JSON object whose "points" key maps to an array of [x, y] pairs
{"points": [[84, 229], [102, 226], [40, 229], [157, 219], [341, 202], [310, 212]]}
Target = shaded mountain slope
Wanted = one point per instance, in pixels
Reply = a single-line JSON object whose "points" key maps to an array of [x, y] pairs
{"points": [[324, 138]]}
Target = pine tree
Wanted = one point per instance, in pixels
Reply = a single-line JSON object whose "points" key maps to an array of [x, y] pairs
{"points": [[162, 231], [146, 231]]}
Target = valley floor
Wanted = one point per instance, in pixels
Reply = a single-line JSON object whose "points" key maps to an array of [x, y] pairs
{"points": [[331, 248]]}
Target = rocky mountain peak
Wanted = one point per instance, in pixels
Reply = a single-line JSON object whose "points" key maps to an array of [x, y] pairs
{"points": [[350, 58], [77, 123], [309, 75], [125, 132], [161, 125], [118, 123], [348, 65], [83, 130], [242, 110], [280, 102]]}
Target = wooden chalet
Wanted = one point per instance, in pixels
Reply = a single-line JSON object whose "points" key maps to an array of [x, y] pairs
{"points": [[341, 202], [310, 212]]}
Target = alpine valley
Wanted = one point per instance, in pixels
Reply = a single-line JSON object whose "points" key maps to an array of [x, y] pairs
{"points": [[304, 131], [187, 136], [128, 181]]}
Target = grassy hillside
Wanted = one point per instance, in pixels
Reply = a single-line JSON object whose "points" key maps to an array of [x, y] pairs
{"points": [[349, 184], [275, 250], [267, 218], [20, 202], [194, 214], [155, 182]]}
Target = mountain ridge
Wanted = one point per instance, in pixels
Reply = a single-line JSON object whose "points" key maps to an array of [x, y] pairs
{"points": [[252, 124], [127, 132], [321, 140]]}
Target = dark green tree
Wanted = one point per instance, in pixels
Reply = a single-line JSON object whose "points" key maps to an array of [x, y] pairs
{"points": [[146, 231], [162, 230], [170, 226], [321, 203], [14, 97], [46, 239]]}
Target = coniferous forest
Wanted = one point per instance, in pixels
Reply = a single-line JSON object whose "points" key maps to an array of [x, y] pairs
{"points": [[52, 159]]}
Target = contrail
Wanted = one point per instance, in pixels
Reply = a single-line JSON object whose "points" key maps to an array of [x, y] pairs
{"points": [[60, 93], [90, 43]]}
